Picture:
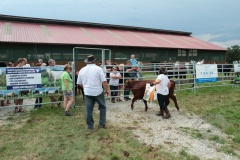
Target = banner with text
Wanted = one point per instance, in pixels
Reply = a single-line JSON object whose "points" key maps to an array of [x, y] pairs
{"points": [[23, 78], [206, 73], [30, 82]]}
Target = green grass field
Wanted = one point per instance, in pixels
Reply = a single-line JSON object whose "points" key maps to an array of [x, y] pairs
{"points": [[47, 134]]}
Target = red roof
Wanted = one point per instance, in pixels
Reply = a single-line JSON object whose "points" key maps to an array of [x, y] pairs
{"points": [[28, 32]]}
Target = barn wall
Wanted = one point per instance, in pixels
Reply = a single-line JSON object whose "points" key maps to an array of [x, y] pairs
{"points": [[63, 54]]}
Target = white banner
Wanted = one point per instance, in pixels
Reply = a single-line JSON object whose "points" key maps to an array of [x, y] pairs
{"points": [[206, 73], [23, 78]]}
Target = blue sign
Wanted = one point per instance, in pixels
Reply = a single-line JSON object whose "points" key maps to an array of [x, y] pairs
{"points": [[202, 80], [23, 78]]}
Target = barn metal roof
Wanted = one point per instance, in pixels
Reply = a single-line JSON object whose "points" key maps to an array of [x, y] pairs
{"points": [[45, 31]]}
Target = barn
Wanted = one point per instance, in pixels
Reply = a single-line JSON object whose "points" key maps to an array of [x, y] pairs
{"points": [[35, 38]]}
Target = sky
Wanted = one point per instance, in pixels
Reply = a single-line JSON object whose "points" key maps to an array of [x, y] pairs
{"points": [[215, 21]]}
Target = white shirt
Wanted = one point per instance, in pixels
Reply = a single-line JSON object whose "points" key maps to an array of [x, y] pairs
{"points": [[27, 65], [162, 87], [91, 77], [114, 81]]}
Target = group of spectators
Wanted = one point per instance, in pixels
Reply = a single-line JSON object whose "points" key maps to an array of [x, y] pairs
{"points": [[117, 75], [94, 80]]}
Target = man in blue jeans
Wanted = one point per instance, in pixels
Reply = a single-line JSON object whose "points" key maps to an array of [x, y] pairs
{"points": [[93, 80]]}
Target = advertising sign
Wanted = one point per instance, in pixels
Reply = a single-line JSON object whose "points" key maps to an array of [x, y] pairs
{"points": [[206, 73], [23, 78], [30, 82]]}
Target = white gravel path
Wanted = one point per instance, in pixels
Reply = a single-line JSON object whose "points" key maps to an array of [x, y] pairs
{"points": [[153, 130]]}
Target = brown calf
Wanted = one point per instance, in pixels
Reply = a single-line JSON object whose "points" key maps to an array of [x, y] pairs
{"points": [[138, 89]]}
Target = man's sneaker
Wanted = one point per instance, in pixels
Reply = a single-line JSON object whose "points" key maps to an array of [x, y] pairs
{"points": [[67, 113]]}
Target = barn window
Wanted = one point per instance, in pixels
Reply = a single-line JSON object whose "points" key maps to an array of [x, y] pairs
{"points": [[48, 55], [67, 55], [56, 56], [40, 56], [193, 53], [181, 52], [82, 56]]}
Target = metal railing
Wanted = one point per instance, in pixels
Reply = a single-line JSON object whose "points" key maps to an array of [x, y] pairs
{"points": [[184, 75]]}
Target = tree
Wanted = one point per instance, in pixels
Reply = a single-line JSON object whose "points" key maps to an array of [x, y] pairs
{"points": [[233, 54]]}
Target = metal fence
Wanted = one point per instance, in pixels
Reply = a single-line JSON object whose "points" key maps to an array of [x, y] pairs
{"points": [[184, 75]]}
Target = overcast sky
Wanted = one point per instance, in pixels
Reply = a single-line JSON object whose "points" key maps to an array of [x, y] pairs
{"points": [[216, 21]]}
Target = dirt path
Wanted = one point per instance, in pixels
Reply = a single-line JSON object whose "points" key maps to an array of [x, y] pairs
{"points": [[183, 131], [9, 110]]}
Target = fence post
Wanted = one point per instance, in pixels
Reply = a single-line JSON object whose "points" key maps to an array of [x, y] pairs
{"points": [[140, 64], [73, 79], [123, 81], [179, 78], [194, 78]]}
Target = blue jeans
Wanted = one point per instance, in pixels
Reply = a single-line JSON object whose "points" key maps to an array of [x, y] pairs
{"points": [[161, 101], [89, 102]]}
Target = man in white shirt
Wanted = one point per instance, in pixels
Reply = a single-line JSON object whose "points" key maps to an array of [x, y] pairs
{"points": [[25, 63], [93, 79]]}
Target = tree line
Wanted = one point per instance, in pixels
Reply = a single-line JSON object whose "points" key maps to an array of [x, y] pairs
{"points": [[233, 54]]}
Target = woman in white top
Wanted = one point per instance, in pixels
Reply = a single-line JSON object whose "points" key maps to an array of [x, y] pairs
{"points": [[162, 86], [114, 82]]}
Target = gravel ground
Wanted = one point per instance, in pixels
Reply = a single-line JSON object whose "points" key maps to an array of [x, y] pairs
{"points": [[153, 130]]}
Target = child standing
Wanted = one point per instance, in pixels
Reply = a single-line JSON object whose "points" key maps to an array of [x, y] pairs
{"points": [[133, 60], [114, 82]]}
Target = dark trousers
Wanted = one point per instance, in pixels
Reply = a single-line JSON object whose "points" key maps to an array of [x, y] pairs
{"points": [[161, 101], [89, 102], [114, 91], [38, 102], [126, 93]]}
